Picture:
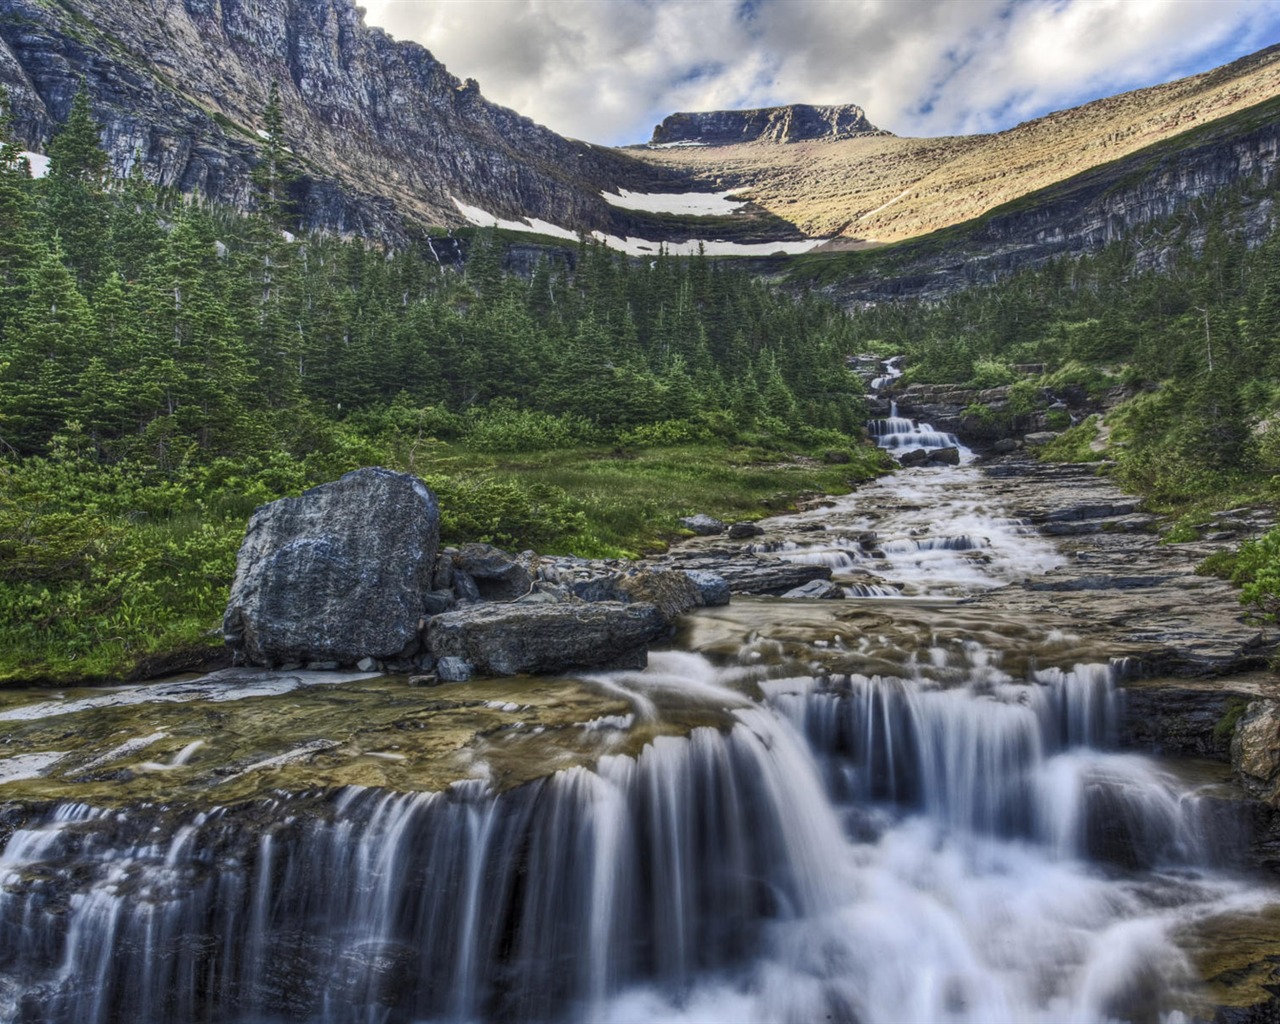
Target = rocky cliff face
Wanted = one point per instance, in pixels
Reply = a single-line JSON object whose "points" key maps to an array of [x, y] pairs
{"points": [[796, 123], [384, 133]]}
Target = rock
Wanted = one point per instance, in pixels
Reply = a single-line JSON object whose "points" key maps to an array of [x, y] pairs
{"points": [[671, 591], [713, 588], [750, 574], [915, 457], [1004, 446], [452, 669], [703, 525], [498, 576], [442, 579], [425, 679], [336, 574], [367, 665], [1255, 750], [506, 639], [944, 457], [1040, 437], [741, 531], [837, 457], [436, 601], [464, 587], [817, 590], [598, 588]]}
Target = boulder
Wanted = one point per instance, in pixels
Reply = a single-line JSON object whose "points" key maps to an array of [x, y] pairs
{"points": [[337, 574], [944, 457], [703, 525], [1040, 437], [713, 588], [506, 639], [497, 575], [670, 590], [817, 590], [915, 457], [741, 531], [453, 669], [1255, 750]]}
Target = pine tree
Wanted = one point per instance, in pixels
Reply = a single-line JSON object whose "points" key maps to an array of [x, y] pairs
{"points": [[47, 346], [76, 203], [17, 241], [276, 171]]}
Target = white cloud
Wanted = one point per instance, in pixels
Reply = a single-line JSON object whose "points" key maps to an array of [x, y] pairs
{"points": [[608, 70]]}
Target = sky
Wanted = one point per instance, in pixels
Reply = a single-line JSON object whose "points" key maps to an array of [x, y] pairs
{"points": [[607, 71]]}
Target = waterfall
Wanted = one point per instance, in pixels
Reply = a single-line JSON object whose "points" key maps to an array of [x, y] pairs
{"points": [[745, 867]]}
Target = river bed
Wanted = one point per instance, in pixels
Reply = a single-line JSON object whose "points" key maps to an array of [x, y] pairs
{"points": [[912, 804]]}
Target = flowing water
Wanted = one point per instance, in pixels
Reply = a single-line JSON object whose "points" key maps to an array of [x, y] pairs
{"points": [[888, 808]]}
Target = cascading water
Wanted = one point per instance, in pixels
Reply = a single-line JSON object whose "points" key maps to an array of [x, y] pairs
{"points": [[899, 434], [887, 812]]}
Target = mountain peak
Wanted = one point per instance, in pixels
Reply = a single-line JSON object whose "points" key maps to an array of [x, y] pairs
{"points": [[797, 122]]}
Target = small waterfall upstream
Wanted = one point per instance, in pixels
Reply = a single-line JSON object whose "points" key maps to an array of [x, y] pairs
{"points": [[935, 826]]}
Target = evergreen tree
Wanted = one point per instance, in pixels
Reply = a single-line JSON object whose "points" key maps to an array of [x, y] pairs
{"points": [[75, 193], [276, 170]]}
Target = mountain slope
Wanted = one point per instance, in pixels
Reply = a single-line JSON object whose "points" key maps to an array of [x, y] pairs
{"points": [[1081, 214], [884, 188], [391, 143], [384, 132]]}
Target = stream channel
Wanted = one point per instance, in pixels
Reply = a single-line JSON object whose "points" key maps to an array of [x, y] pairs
{"points": [[907, 805]]}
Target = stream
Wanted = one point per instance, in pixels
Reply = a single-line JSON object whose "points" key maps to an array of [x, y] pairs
{"points": [[911, 804]]}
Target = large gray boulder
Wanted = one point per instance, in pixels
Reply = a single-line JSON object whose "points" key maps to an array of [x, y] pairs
{"points": [[337, 574], [507, 639]]}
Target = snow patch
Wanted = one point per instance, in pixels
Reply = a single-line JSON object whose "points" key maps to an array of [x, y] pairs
{"points": [[712, 247], [483, 218], [692, 204], [639, 246], [682, 144], [38, 162]]}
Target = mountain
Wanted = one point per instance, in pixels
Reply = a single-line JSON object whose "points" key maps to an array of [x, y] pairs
{"points": [[384, 133], [390, 143], [882, 188]]}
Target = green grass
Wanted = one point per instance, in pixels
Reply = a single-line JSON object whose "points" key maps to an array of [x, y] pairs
{"points": [[632, 501], [96, 587], [1074, 444]]}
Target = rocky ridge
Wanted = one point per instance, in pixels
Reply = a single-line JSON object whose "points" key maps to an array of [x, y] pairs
{"points": [[798, 122]]}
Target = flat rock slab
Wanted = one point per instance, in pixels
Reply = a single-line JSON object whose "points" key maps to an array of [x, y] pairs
{"points": [[748, 573], [337, 574], [1120, 583], [507, 639]]}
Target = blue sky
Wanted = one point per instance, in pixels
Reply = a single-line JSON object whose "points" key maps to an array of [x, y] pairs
{"points": [[608, 70]]}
